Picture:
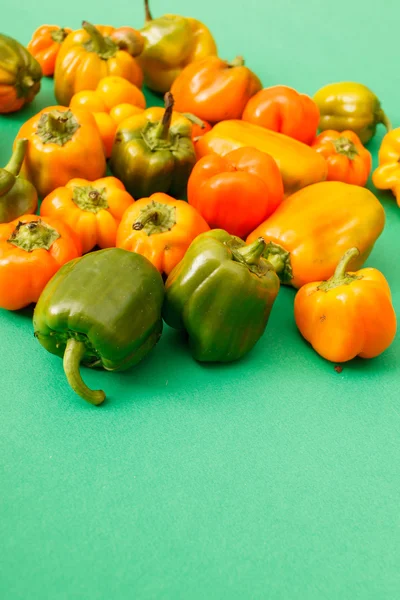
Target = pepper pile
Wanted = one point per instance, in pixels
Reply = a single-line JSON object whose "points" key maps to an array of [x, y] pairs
{"points": [[213, 201]]}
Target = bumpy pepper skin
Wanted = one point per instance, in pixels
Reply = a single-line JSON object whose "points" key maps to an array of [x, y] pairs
{"points": [[161, 229], [93, 209], [214, 89], [86, 56], [20, 75], [32, 249], [387, 175], [349, 315], [17, 195], [62, 145], [346, 157], [153, 152], [221, 293], [45, 46], [299, 164], [171, 43], [349, 105], [281, 108], [309, 232], [103, 310]]}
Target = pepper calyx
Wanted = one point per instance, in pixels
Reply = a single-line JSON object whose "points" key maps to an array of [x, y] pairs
{"points": [[33, 235], [341, 276], [155, 218], [89, 198], [101, 44], [58, 35], [57, 127], [345, 146], [280, 261]]}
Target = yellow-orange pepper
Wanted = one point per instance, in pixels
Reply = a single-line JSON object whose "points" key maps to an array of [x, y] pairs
{"points": [[93, 209], [349, 315], [45, 46], [387, 175], [62, 144]]}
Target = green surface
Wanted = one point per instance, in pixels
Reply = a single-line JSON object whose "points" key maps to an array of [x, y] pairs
{"points": [[272, 478]]}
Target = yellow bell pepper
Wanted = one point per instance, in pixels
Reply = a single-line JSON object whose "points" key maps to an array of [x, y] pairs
{"points": [[387, 175]]}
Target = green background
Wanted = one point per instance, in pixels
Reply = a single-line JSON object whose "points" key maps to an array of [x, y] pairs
{"points": [[275, 477]]}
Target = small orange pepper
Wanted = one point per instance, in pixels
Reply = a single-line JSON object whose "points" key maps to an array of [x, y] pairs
{"points": [[32, 249], [387, 175], [347, 159], [214, 89], [45, 46], [161, 229], [93, 209], [351, 314]]}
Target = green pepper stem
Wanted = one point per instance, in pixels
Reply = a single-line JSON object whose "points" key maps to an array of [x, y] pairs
{"points": [[15, 163], [384, 119], [98, 41], [147, 12], [57, 122], [346, 147], [194, 119], [236, 62], [277, 262], [73, 355], [27, 82], [162, 130], [348, 256], [251, 254]]}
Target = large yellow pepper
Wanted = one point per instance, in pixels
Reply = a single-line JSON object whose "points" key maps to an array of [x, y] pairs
{"points": [[387, 175], [171, 43]]}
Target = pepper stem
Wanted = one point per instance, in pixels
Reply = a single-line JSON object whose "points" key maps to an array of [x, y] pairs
{"points": [[195, 120], [236, 62], [384, 119], [156, 217], [162, 130], [348, 256], [15, 163], [57, 122], [251, 254], [73, 355], [345, 146], [99, 44], [147, 12]]}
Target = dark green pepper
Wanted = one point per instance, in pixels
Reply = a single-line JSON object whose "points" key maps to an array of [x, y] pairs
{"points": [[221, 293], [352, 106], [153, 152], [17, 195], [101, 310]]}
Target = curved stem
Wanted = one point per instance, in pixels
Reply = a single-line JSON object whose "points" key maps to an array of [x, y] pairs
{"points": [[347, 257], [194, 119], [73, 355], [384, 119], [98, 41], [236, 62], [277, 262], [251, 254], [162, 130], [147, 12], [15, 163]]}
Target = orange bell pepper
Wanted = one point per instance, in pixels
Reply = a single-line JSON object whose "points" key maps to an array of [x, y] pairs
{"points": [[32, 249], [309, 232], [349, 315], [86, 56], [214, 89], [93, 209], [347, 158], [283, 109], [161, 229], [236, 192], [61, 145], [387, 175], [45, 46], [299, 164]]}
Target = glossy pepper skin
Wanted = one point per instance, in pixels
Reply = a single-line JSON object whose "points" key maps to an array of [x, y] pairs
{"points": [[153, 152], [111, 323], [236, 192], [299, 164], [387, 175], [221, 293], [349, 105], [171, 43], [62, 145], [309, 232], [281, 108], [45, 46], [32, 249], [93, 209], [161, 229], [86, 56], [20, 75], [349, 315], [214, 89], [347, 159], [17, 195]]}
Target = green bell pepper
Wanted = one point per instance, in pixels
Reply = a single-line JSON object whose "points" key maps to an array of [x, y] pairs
{"points": [[101, 310], [17, 195], [151, 155], [352, 106], [221, 293]]}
